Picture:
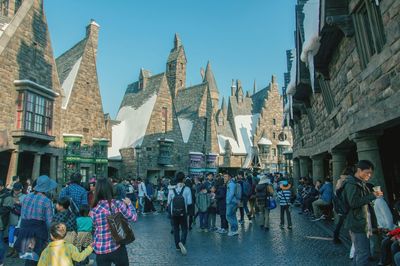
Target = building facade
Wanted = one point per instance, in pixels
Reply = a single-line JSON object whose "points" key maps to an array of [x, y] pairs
{"points": [[344, 91], [163, 126], [33, 119]]}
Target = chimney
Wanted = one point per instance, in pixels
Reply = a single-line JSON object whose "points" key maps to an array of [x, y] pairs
{"points": [[92, 33]]}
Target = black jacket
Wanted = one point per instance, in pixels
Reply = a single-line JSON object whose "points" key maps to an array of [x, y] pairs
{"points": [[220, 195]]}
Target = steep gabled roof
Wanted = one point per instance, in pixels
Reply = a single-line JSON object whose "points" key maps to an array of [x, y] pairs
{"points": [[258, 99], [188, 101], [67, 60], [209, 77], [135, 97]]}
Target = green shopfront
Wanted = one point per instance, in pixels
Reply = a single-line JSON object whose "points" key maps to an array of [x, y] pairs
{"points": [[85, 159]]}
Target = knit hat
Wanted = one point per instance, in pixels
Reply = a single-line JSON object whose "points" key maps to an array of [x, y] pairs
{"points": [[285, 185]]}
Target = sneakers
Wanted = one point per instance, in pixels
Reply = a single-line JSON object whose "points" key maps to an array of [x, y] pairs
{"points": [[222, 231], [233, 233], [323, 217], [241, 222], [183, 249], [282, 226], [289, 227]]}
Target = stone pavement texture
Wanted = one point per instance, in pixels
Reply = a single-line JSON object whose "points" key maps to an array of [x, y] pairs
{"points": [[306, 244]]}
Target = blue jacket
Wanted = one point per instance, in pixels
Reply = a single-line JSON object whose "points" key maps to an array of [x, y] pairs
{"points": [[326, 192], [230, 192]]}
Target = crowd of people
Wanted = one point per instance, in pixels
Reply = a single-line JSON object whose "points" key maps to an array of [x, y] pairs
{"points": [[74, 223]]}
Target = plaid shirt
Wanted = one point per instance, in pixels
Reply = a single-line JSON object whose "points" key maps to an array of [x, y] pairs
{"points": [[66, 217], [37, 207], [77, 193], [103, 241]]}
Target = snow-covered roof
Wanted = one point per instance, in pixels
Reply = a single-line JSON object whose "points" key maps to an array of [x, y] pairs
{"points": [[264, 141], [68, 83], [72, 135], [186, 126], [245, 126], [311, 43], [284, 143], [291, 88], [131, 130]]}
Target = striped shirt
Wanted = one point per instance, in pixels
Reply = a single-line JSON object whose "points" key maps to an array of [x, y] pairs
{"points": [[284, 197]]}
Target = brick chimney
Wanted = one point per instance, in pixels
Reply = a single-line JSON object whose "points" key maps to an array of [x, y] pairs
{"points": [[92, 33]]}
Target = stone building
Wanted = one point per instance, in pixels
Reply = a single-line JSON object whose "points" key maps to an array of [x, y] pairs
{"points": [[163, 126], [85, 128], [344, 91], [32, 109]]}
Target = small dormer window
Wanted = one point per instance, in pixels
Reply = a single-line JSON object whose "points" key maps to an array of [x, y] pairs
{"points": [[274, 121], [220, 120]]}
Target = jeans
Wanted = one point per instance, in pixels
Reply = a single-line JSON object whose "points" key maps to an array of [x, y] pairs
{"points": [[338, 226], [395, 249], [264, 216], [285, 208], [224, 222], [180, 223], [3, 247], [231, 216], [141, 204], [362, 248], [203, 220], [119, 257], [212, 218], [316, 206], [244, 209], [397, 259]]}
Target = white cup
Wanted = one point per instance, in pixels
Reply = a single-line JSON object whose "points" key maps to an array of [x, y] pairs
{"points": [[377, 188]]}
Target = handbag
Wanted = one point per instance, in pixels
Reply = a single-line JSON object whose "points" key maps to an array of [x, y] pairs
{"points": [[121, 229], [271, 203]]}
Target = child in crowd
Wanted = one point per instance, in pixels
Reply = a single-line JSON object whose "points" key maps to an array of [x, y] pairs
{"points": [[84, 228], [284, 194], [161, 198], [64, 215], [203, 201], [59, 252], [212, 210]]}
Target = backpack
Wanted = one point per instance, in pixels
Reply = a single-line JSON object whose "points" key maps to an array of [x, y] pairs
{"points": [[73, 208], [340, 204], [238, 191], [178, 204], [4, 211], [247, 188]]}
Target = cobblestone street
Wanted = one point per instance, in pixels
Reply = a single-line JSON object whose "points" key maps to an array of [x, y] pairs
{"points": [[306, 244]]}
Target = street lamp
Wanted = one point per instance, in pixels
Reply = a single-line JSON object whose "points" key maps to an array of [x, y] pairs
{"points": [[138, 149]]}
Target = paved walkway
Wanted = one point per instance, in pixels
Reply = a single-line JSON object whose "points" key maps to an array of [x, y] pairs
{"points": [[305, 244]]}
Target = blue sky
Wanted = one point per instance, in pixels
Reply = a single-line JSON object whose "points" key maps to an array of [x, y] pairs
{"points": [[243, 39]]}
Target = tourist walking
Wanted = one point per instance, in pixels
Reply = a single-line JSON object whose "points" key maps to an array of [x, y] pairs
{"points": [[178, 200], [191, 207], [141, 193], [106, 249], [203, 201], [220, 196], [358, 220], [284, 194], [36, 217], [232, 203], [75, 192], [65, 216], [264, 189], [5, 205]]}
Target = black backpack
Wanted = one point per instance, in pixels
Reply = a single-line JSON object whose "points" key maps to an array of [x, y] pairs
{"points": [[178, 204], [4, 211], [340, 204]]}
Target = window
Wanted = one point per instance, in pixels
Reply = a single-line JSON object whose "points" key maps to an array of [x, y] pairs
{"points": [[327, 96], [369, 30], [205, 128], [274, 121], [273, 151], [273, 135], [164, 114], [180, 83], [220, 120], [37, 113]]}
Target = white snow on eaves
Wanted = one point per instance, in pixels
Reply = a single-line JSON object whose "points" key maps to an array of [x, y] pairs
{"points": [[186, 126], [311, 36], [245, 127], [69, 82], [132, 128]]}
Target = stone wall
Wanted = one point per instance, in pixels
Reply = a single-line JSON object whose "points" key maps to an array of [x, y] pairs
{"points": [[364, 97]]}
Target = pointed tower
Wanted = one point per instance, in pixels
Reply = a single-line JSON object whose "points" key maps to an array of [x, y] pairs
{"points": [[92, 33], [223, 106], [233, 88], [176, 67], [254, 87], [239, 92], [212, 86]]}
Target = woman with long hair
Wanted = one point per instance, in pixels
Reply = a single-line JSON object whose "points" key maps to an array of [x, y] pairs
{"points": [[106, 249]]}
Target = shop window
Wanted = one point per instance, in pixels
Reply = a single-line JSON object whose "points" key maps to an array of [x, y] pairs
{"points": [[369, 31], [34, 113]]}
